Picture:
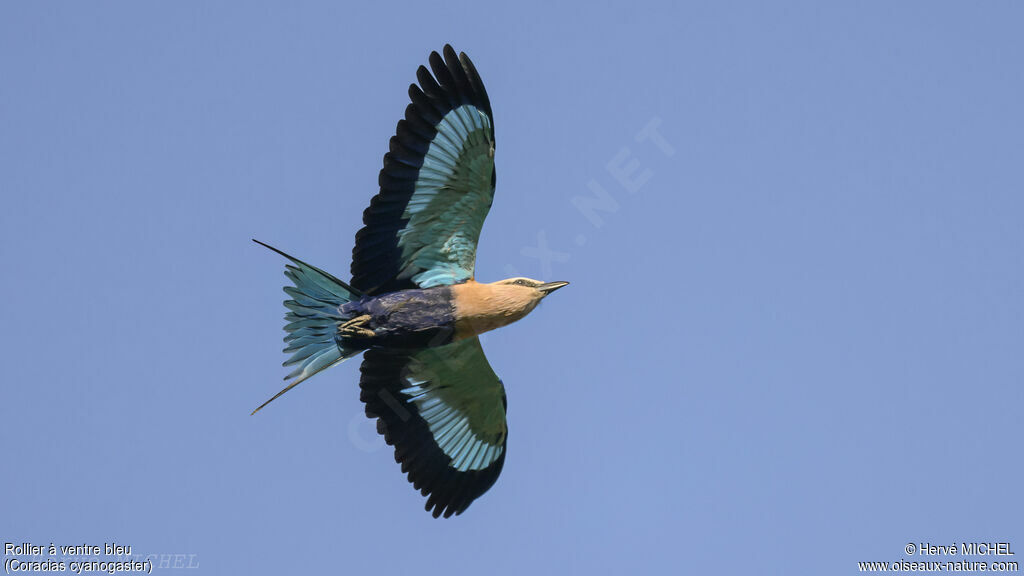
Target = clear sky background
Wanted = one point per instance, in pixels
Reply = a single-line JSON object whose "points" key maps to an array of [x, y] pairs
{"points": [[794, 338]]}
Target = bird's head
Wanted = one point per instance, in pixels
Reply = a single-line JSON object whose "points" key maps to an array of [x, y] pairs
{"points": [[541, 289], [483, 307]]}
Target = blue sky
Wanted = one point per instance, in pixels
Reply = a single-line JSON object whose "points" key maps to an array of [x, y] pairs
{"points": [[793, 339]]}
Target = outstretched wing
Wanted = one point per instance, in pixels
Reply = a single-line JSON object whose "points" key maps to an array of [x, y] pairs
{"points": [[443, 409], [436, 186]]}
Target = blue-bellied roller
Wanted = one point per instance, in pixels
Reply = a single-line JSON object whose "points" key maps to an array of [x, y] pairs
{"points": [[413, 304]]}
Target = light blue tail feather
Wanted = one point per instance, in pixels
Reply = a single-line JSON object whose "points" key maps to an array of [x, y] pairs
{"points": [[312, 320]]}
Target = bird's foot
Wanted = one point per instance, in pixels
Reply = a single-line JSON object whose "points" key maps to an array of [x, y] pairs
{"points": [[356, 328]]}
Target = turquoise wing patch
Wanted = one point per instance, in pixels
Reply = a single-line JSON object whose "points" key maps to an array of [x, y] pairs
{"points": [[436, 186]]}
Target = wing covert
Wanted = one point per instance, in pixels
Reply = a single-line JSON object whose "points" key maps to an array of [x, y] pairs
{"points": [[443, 409], [436, 185]]}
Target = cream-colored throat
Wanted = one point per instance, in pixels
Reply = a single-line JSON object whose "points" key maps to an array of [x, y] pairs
{"points": [[482, 307]]}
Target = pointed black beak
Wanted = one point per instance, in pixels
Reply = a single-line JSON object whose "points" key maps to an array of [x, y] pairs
{"points": [[551, 287]]}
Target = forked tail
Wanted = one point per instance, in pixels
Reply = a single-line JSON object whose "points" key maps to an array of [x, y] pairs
{"points": [[312, 320]]}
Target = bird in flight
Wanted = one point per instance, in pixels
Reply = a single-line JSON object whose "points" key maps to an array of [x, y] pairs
{"points": [[413, 305]]}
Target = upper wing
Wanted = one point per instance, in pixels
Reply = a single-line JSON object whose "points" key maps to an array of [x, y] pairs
{"points": [[443, 409], [436, 186]]}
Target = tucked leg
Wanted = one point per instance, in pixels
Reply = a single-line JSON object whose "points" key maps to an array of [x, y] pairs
{"points": [[356, 328]]}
